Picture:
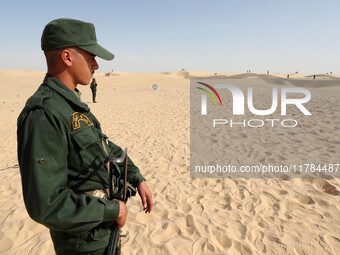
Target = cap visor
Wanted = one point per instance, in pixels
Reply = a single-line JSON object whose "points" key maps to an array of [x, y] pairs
{"points": [[99, 51]]}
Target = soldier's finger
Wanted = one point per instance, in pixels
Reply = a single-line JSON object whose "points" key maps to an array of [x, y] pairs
{"points": [[144, 202]]}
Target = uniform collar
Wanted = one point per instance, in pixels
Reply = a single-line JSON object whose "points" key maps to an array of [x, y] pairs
{"points": [[55, 84]]}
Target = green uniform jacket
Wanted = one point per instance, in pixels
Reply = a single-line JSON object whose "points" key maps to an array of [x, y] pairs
{"points": [[93, 86], [60, 144]]}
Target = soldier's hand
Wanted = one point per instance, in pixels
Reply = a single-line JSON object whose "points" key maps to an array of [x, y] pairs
{"points": [[146, 196], [123, 211]]}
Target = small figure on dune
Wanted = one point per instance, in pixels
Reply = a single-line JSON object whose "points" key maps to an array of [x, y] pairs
{"points": [[93, 87]]}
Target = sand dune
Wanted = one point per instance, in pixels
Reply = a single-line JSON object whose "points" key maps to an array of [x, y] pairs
{"points": [[191, 216]]}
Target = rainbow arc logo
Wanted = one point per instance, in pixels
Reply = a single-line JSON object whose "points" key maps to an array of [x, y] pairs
{"points": [[209, 93]]}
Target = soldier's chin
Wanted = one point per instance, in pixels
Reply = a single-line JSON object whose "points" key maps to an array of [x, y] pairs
{"points": [[85, 83]]}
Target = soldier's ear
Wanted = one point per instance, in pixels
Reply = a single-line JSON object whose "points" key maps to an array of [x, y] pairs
{"points": [[67, 55]]}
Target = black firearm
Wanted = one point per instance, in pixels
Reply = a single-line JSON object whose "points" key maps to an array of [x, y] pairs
{"points": [[114, 247]]}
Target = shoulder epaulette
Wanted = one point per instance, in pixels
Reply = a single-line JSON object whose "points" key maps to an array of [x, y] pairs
{"points": [[36, 101]]}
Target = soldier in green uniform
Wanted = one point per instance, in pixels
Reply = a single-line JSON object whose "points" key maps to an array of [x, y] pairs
{"points": [[93, 87], [62, 149]]}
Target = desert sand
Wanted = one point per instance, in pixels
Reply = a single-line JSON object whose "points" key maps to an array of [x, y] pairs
{"points": [[190, 216]]}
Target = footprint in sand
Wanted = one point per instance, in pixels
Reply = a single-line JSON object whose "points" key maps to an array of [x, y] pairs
{"points": [[242, 229], [242, 248], [5, 244], [262, 223], [194, 198], [324, 186], [202, 246], [249, 206], [275, 244], [307, 200], [280, 192], [165, 233], [257, 239], [224, 240], [185, 207], [190, 221]]}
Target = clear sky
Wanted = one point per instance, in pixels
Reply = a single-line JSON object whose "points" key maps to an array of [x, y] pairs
{"points": [[168, 35]]}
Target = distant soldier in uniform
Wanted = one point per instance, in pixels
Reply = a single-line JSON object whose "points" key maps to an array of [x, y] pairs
{"points": [[62, 149], [93, 87]]}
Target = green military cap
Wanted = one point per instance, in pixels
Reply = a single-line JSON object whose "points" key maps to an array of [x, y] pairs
{"points": [[63, 33]]}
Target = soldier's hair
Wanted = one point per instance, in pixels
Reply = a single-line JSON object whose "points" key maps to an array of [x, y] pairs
{"points": [[52, 57]]}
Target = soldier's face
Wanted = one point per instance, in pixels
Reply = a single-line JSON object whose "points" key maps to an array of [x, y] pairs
{"points": [[84, 64]]}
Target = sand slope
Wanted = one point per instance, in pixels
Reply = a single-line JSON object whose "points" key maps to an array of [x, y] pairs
{"points": [[190, 216]]}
